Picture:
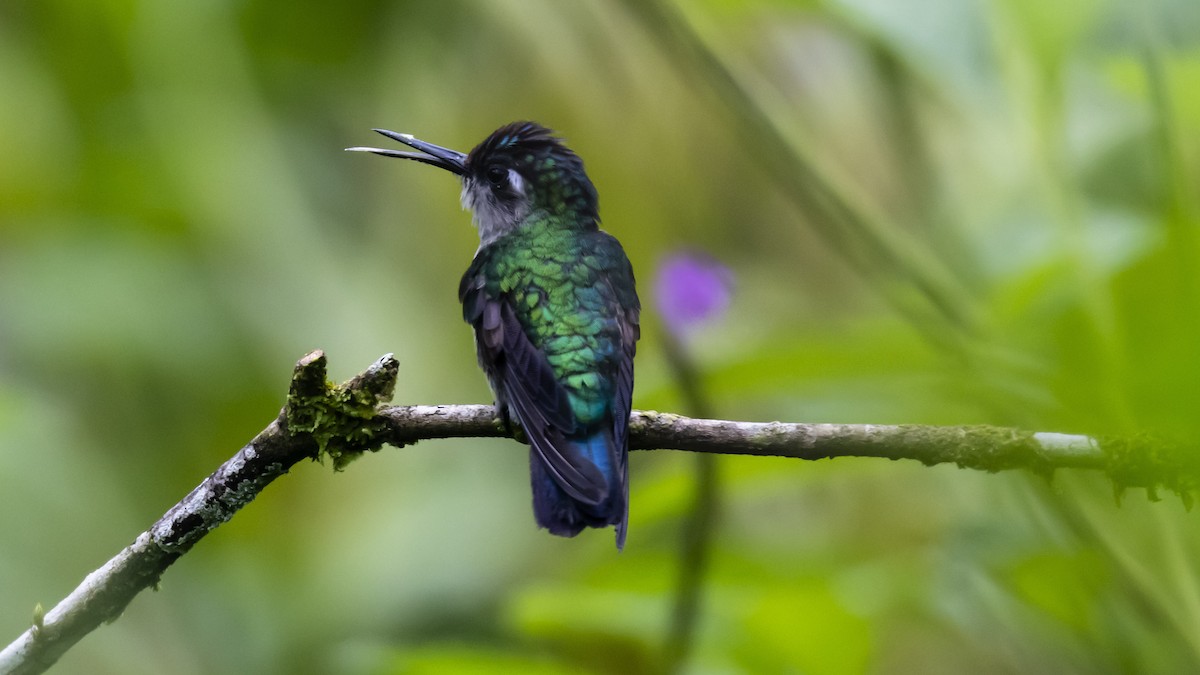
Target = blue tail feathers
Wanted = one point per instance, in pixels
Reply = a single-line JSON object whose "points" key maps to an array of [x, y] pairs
{"points": [[559, 513]]}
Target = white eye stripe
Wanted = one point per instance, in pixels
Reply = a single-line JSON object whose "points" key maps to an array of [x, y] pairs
{"points": [[515, 180]]}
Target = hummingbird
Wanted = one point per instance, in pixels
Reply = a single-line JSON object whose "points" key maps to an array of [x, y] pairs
{"points": [[555, 311]]}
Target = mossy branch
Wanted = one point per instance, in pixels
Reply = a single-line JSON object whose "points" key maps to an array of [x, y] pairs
{"points": [[342, 422], [320, 420]]}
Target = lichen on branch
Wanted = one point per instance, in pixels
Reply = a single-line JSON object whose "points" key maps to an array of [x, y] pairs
{"points": [[342, 420]]}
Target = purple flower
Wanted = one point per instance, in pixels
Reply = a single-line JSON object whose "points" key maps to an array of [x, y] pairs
{"points": [[691, 289]]}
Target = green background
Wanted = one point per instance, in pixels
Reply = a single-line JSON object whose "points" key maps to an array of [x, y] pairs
{"points": [[1012, 240]]}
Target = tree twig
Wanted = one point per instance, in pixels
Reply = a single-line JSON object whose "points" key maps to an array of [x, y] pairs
{"points": [[105, 593], [342, 422]]}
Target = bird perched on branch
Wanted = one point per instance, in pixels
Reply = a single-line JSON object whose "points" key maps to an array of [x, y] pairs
{"points": [[552, 300]]}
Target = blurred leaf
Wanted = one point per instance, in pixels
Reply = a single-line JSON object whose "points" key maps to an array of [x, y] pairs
{"points": [[469, 659], [792, 628], [1064, 586]]}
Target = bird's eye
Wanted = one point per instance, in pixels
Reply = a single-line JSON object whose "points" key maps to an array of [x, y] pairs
{"points": [[497, 176]]}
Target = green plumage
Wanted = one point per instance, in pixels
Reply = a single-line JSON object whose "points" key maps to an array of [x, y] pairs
{"points": [[552, 300], [564, 301]]}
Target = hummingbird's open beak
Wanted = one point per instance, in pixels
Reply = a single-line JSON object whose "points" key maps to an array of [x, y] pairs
{"points": [[445, 158]]}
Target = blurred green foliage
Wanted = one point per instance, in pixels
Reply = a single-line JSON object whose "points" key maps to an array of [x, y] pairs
{"points": [[178, 224]]}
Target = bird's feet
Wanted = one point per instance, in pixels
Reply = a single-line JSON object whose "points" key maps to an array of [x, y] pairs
{"points": [[505, 418]]}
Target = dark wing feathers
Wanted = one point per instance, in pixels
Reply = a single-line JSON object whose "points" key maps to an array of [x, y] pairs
{"points": [[628, 310], [542, 406], [526, 383], [526, 368], [623, 400]]}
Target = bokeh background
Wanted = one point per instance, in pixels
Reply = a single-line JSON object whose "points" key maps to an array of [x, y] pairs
{"points": [[936, 211]]}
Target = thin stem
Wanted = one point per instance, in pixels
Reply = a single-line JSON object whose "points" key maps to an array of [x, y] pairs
{"points": [[701, 525]]}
